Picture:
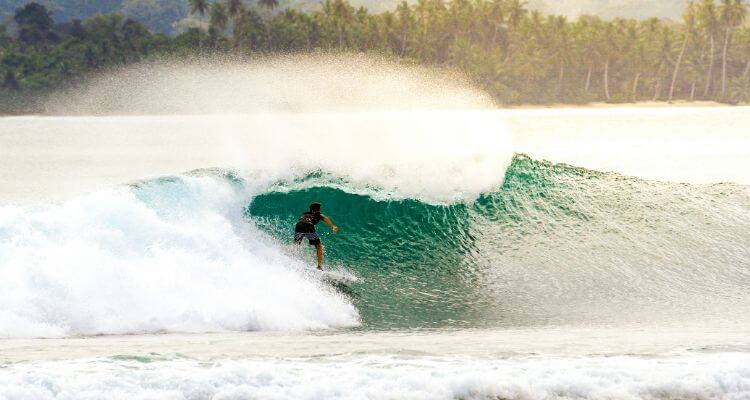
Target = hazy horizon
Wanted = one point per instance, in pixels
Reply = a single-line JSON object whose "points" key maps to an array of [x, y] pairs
{"points": [[639, 9]]}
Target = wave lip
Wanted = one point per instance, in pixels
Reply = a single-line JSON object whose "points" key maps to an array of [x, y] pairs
{"points": [[169, 255]]}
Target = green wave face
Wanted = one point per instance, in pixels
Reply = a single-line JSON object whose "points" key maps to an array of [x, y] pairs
{"points": [[554, 244], [408, 253]]}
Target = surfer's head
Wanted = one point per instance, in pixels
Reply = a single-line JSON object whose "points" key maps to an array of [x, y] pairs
{"points": [[315, 207]]}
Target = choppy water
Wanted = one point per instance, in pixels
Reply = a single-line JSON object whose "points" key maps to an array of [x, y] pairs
{"points": [[526, 277]]}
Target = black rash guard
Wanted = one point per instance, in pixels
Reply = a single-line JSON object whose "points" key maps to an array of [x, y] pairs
{"points": [[307, 221]]}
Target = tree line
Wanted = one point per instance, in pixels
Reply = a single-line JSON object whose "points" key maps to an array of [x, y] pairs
{"points": [[516, 54], [163, 16]]}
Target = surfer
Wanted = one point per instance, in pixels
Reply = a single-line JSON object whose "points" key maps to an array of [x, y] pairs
{"points": [[305, 228]]}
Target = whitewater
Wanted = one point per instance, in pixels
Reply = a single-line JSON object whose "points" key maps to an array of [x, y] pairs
{"points": [[515, 254]]}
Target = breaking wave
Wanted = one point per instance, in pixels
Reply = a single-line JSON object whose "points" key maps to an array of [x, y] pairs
{"points": [[209, 251]]}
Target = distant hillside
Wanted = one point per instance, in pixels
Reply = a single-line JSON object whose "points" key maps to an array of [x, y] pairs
{"points": [[157, 15], [163, 16]]}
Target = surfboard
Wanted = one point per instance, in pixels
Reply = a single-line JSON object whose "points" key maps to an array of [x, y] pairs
{"points": [[336, 276]]}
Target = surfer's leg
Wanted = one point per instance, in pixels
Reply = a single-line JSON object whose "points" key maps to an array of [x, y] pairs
{"points": [[319, 247]]}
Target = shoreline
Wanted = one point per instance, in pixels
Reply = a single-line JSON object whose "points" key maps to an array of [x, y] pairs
{"points": [[532, 106], [640, 104]]}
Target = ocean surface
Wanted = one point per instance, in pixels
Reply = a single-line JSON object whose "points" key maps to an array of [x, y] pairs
{"points": [[501, 254]]}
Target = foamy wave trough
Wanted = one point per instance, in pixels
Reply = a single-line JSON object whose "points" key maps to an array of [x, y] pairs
{"points": [[717, 376]]}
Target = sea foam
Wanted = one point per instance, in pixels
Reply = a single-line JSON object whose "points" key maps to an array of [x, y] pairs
{"points": [[717, 376], [168, 255]]}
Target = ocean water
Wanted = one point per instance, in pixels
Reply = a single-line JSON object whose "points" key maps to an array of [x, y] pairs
{"points": [[515, 254]]}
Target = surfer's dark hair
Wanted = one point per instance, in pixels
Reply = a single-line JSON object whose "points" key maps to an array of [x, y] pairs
{"points": [[315, 207]]}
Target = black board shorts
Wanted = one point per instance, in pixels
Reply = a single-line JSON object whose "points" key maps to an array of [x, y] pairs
{"points": [[303, 230], [312, 238]]}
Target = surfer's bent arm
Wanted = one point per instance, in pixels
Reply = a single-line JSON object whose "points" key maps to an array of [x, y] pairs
{"points": [[328, 221]]}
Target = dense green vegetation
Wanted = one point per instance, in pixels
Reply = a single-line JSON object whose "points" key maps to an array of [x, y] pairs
{"points": [[517, 55]]}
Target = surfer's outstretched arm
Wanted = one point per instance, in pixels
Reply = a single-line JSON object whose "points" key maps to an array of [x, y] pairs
{"points": [[328, 221]]}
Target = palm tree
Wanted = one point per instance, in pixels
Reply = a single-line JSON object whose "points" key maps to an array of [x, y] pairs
{"points": [[234, 10], [689, 17], [663, 59], [248, 29], [368, 31], [460, 12], [387, 26], [497, 17], [561, 48], [219, 17], [743, 43], [422, 10], [731, 15], [693, 62], [586, 35], [693, 72], [740, 90], [342, 14], [515, 10], [269, 5], [709, 24], [424, 16], [199, 7], [638, 57], [634, 51], [741, 13], [406, 23], [609, 50]]}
